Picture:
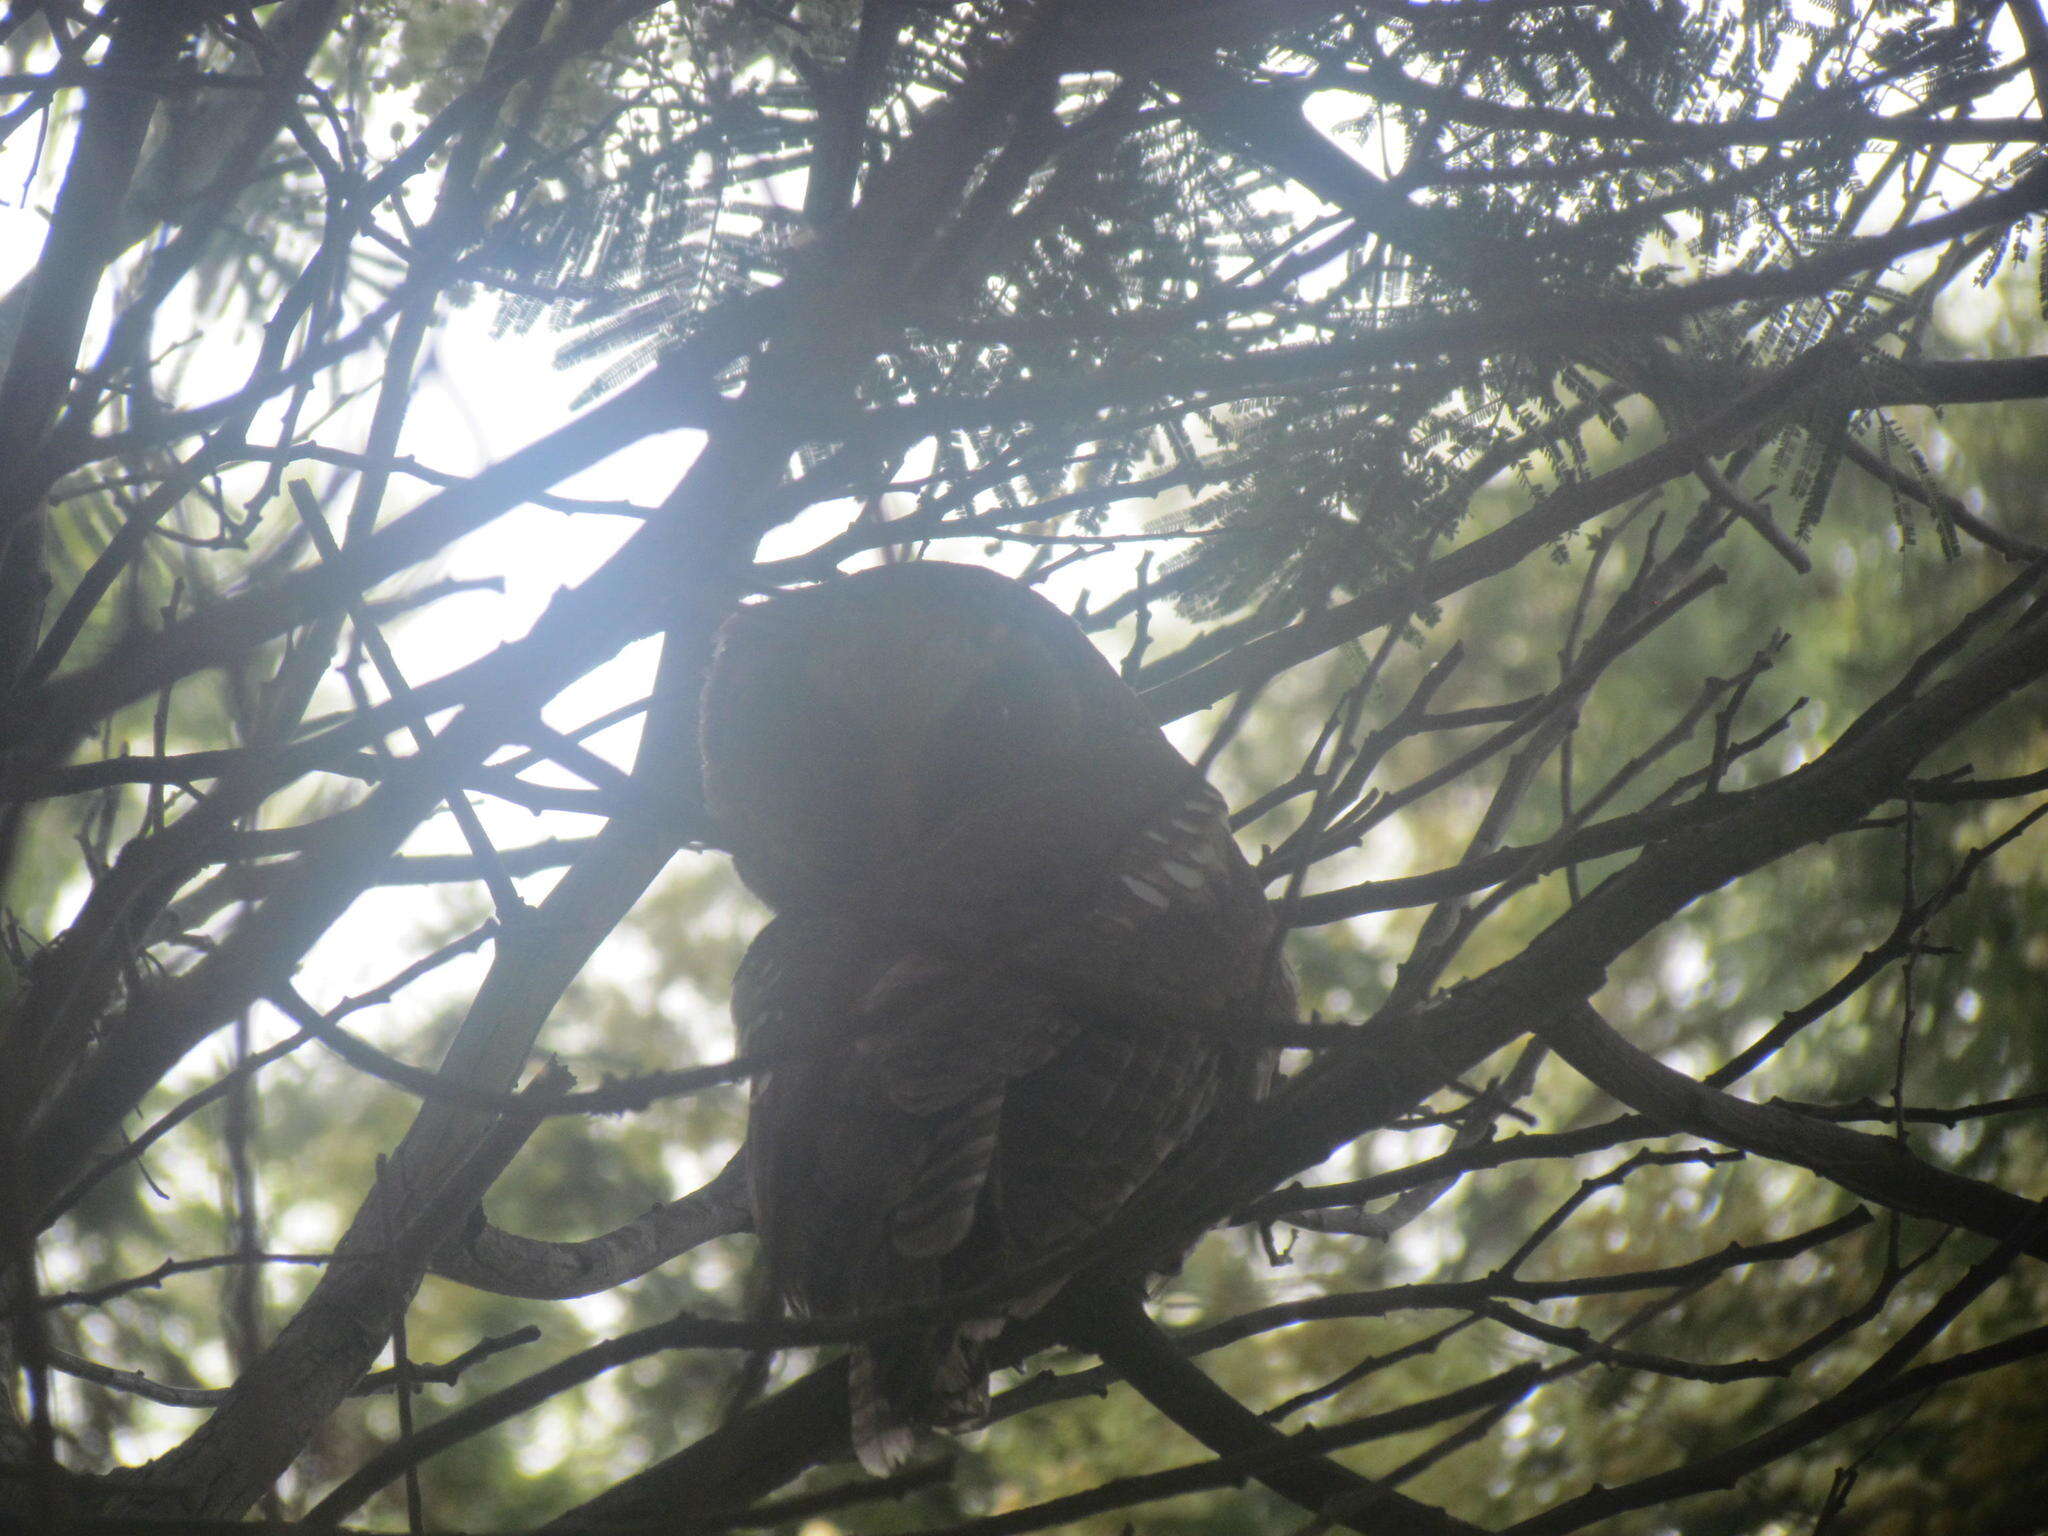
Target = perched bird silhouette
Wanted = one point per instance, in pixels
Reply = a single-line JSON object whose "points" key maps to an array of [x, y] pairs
{"points": [[1017, 960]]}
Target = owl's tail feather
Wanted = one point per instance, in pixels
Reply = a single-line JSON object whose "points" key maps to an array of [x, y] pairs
{"points": [[882, 1441], [935, 1378]]}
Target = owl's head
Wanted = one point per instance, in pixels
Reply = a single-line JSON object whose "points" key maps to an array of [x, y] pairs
{"points": [[846, 724]]}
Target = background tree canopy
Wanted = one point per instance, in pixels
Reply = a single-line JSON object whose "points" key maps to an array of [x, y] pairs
{"points": [[1570, 471]]}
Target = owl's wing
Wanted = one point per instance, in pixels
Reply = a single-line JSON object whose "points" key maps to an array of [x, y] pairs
{"points": [[1179, 863], [1080, 1137], [1180, 929], [874, 1132], [872, 1144], [1120, 894], [942, 1113]]}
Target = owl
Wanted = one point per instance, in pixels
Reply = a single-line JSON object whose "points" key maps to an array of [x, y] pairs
{"points": [[1016, 963]]}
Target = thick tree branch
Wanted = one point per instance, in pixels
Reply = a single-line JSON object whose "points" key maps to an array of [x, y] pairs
{"points": [[1111, 1322], [83, 239], [1878, 1168], [508, 1265]]}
